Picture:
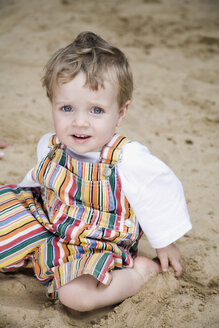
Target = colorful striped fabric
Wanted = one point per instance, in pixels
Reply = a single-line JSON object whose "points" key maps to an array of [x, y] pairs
{"points": [[21, 235], [82, 225]]}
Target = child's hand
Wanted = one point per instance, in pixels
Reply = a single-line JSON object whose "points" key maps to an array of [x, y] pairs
{"points": [[170, 254], [3, 144]]}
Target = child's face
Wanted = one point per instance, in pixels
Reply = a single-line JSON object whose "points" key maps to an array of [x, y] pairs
{"points": [[85, 120]]}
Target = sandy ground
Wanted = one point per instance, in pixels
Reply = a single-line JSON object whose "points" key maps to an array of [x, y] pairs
{"points": [[173, 47]]}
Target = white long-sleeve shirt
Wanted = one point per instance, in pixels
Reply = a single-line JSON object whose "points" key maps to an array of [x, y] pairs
{"points": [[154, 192]]}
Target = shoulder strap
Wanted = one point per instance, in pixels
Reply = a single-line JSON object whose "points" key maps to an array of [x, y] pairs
{"points": [[54, 141], [112, 152]]}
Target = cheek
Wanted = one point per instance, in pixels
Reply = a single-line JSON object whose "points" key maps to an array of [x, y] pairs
{"points": [[59, 120], [59, 125], [106, 130], [56, 121]]}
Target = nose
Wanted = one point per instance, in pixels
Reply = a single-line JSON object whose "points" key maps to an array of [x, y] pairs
{"points": [[80, 119]]}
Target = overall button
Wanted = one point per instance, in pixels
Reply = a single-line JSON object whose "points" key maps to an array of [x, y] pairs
{"points": [[51, 154], [129, 223], [107, 171]]}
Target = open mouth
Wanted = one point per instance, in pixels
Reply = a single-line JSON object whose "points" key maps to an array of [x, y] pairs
{"points": [[81, 137]]}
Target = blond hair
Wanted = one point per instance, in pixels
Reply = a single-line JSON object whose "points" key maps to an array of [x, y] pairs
{"points": [[95, 57]]}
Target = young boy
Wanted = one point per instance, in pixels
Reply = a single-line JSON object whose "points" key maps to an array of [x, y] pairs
{"points": [[99, 190]]}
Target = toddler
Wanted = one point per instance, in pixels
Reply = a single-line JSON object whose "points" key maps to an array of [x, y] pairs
{"points": [[77, 216]]}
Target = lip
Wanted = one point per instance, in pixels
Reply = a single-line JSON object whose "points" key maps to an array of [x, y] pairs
{"points": [[80, 138]]}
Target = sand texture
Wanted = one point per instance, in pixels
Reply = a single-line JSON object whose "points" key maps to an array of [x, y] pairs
{"points": [[173, 47]]}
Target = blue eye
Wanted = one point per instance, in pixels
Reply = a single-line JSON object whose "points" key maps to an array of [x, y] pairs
{"points": [[97, 110], [66, 108]]}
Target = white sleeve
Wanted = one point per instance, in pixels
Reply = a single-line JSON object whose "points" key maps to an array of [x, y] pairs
{"points": [[42, 151], [155, 194]]}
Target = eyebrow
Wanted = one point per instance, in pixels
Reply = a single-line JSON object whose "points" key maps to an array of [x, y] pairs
{"points": [[60, 102], [92, 103]]}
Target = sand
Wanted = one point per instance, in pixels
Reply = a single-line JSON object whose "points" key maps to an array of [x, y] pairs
{"points": [[173, 47]]}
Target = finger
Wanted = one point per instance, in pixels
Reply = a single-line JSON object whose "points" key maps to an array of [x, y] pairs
{"points": [[164, 263], [177, 266], [1, 154], [3, 144]]}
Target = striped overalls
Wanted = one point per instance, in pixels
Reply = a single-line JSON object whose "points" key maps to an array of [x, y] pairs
{"points": [[80, 222]]}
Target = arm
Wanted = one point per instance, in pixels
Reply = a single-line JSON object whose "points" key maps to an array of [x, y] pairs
{"points": [[157, 198], [42, 151]]}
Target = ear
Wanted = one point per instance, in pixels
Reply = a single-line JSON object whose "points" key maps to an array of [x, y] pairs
{"points": [[122, 112]]}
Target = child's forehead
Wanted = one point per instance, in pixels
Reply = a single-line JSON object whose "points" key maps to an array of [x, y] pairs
{"points": [[106, 78], [72, 88]]}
